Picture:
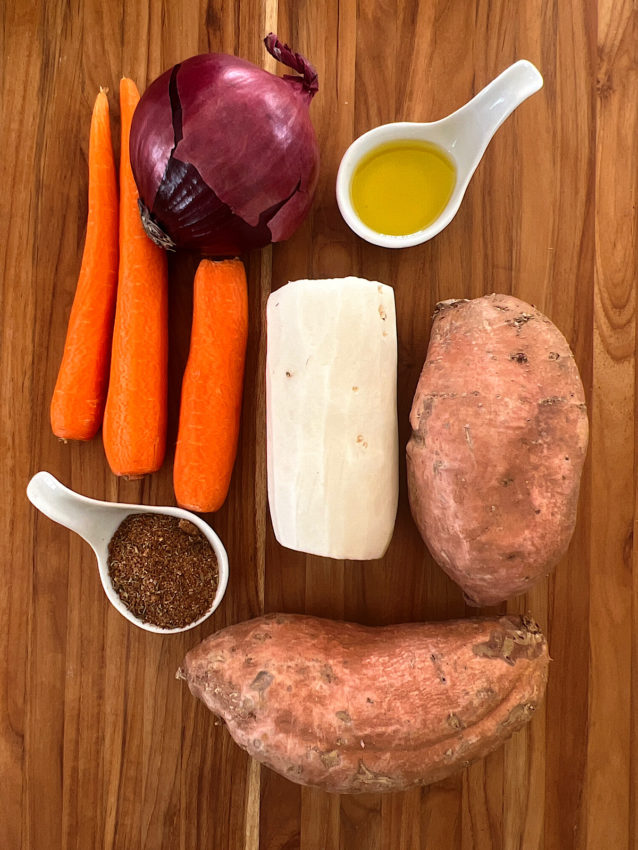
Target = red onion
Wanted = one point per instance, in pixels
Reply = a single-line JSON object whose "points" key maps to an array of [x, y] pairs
{"points": [[223, 153]]}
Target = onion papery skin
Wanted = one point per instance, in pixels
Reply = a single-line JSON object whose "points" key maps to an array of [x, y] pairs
{"points": [[224, 154]]}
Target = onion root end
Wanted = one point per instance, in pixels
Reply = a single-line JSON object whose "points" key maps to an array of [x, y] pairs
{"points": [[153, 230]]}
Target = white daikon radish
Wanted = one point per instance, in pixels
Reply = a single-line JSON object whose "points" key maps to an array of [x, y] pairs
{"points": [[332, 431]]}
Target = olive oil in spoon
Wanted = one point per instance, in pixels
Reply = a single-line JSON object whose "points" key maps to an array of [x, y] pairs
{"points": [[400, 187], [400, 184]]}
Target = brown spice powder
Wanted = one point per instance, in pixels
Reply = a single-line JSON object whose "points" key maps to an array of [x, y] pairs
{"points": [[163, 569]]}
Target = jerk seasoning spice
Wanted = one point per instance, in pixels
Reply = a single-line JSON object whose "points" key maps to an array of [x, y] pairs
{"points": [[163, 569]]}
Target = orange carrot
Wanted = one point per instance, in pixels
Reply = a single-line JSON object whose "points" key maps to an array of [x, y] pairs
{"points": [[212, 387], [134, 430], [77, 405]]}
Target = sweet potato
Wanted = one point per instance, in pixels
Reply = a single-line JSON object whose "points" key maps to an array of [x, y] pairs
{"points": [[352, 708], [499, 437]]}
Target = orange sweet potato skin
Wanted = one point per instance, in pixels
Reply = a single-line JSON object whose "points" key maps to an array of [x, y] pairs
{"points": [[499, 437], [351, 708]]}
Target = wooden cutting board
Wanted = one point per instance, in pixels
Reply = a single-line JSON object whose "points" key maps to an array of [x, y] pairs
{"points": [[100, 746]]}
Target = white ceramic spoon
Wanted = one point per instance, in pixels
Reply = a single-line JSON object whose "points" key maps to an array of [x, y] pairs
{"points": [[463, 135], [97, 521]]}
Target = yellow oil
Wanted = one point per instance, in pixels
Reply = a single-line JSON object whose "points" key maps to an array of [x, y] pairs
{"points": [[401, 187]]}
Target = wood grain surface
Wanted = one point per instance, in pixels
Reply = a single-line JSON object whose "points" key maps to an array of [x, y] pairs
{"points": [[100, 746]]}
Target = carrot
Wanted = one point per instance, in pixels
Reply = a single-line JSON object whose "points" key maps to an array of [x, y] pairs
{"points": [[77, 405], [134, 430], [212, 387]]}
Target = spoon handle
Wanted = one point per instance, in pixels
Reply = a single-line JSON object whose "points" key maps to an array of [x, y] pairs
{"points": [[59, 503], [493, 104], [500, 98]]}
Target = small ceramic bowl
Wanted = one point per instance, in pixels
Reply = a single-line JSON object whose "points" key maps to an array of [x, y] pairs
{"points": [[96, 522], [462, 136]]}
